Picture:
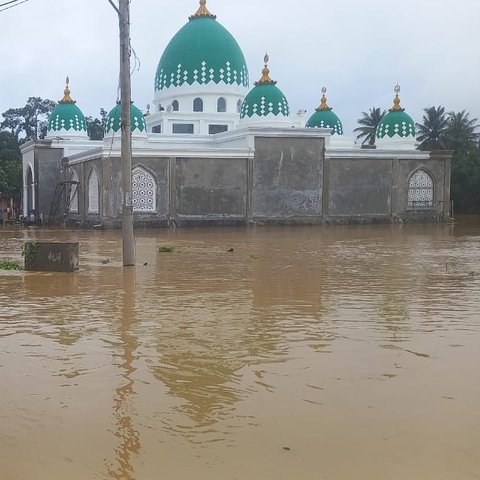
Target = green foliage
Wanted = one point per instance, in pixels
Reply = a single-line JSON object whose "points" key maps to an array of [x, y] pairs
{"points": [[369, 123], [9, 265], [431, 133], [29, 251], [10, 164], [96, 126], [166, 249], [465, 187], [28, 122]]}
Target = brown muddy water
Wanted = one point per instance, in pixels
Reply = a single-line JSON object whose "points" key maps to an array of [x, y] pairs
{"points": [[305, 353]]}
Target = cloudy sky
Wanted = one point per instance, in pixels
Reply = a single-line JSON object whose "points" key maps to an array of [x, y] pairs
{"points": [[358, 49]]}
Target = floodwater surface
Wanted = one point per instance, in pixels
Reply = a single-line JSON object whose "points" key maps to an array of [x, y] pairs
{"points": [[267, 353]]}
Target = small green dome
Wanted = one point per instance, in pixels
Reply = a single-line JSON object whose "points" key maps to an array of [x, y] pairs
{"points": [[263, 99], [203, 51], [324, 117], [67, 117], [114, 120], [396, 123]]}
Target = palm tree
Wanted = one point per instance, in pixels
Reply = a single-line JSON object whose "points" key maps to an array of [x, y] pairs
{"points": [[432, 132], [462, 135], [369, 123]]}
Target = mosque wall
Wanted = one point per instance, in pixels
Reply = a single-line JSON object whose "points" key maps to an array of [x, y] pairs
{"points": [[287, 178], [47, 175]]}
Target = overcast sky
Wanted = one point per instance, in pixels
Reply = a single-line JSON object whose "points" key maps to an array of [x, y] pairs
{"points": [[357, 49]]}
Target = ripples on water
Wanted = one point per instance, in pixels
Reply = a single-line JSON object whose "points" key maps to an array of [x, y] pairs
{"points": [[349, 346]]}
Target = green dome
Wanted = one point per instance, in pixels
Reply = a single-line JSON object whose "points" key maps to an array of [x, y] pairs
{"points": [[67, 116], [114, 120], [396, 123], [263, 99], [203, 51]]}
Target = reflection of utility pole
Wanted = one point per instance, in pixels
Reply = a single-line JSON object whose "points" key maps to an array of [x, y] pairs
{"points": [[123, 11]]}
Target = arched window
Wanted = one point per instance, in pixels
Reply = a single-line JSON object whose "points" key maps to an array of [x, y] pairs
{"points": [[144, 191], [74, 193], [420, 191], [239, 106], [198, 105], [93, 191], [175, 106], [221, 105]]}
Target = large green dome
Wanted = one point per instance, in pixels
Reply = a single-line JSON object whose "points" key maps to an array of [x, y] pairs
{"points": [[114, 120], [324, 117], [203, 51], [67, 117]]}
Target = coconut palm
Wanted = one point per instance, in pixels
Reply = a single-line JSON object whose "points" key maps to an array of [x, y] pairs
{"points": [[369, 123], [462, 135], [432, 132]]}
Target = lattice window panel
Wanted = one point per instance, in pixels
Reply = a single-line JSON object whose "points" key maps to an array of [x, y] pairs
{"points": [[420, 191], [93, 192], [144, 191]]}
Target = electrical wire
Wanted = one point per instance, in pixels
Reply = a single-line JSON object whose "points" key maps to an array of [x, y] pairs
{"points": [[16, 3]]}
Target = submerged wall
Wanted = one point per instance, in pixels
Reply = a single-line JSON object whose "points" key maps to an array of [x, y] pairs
{"points": [[281, 180]]}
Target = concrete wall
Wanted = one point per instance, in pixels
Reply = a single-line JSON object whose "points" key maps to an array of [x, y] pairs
{"points": [[287, 180]]}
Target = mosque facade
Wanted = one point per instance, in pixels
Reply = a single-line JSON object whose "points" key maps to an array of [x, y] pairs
{"points": [[214, 150]]}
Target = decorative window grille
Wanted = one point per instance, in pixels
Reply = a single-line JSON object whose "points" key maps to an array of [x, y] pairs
{"points": [[221, 105], [420, 191], [93, 192], [198, 105], [144, 191], [74, 193]]}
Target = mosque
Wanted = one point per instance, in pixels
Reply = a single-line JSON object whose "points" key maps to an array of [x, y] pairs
{"points": [[215, 150]]}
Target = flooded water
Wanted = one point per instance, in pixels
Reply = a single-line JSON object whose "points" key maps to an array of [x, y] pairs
{"points": [[305, 353]]}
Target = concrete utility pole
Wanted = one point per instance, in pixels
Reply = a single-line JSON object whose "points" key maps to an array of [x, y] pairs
{"points": [[126, 146]]}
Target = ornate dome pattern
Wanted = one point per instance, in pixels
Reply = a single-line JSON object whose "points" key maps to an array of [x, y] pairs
{"points": [[67, 116], [114, 120], [265, 98], [324, 117], [396, 123], [203, 51]]}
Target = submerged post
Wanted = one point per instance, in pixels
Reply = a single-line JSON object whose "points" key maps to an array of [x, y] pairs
{"points": [[126, 145]]}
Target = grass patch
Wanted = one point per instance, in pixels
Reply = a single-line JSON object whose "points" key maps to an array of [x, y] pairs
{"points": [[8, 265], [166, 249]]}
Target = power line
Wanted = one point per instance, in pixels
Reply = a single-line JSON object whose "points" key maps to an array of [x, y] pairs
{"points": [[16, 3]]}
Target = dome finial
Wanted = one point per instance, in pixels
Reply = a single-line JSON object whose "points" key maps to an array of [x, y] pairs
{"points": [[66, 93], [396, 101], [147, 113], [323, 105], [265, 73], [202, 11]]}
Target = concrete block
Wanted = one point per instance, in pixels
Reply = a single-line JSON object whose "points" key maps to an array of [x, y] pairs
{"points": [[51, 257]]}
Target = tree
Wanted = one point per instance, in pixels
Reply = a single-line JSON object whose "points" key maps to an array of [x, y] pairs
{"points": [[432, 132], [96, 126], [369, 123], [10, 163], [461, 134], [31, 120]]}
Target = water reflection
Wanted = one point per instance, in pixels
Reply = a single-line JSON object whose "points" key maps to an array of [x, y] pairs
{"points": [[243, 338], [126, 434]]}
